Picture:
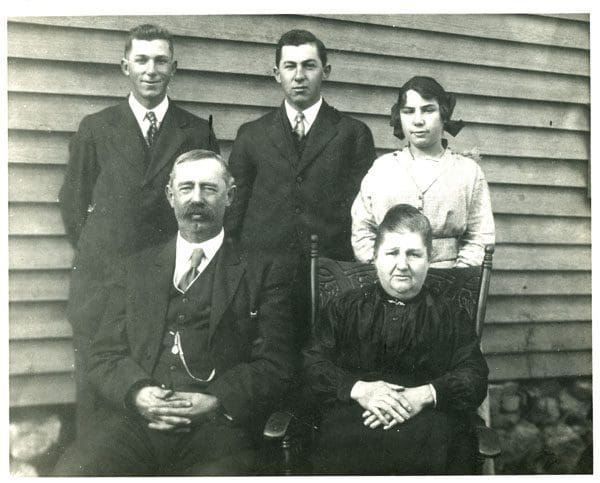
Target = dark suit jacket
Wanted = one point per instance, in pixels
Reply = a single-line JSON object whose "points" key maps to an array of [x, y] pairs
{"points": [[113, 196], [283, 198], [250, 335]]}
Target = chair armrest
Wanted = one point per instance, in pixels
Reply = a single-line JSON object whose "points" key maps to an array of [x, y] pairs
{"points": [[488, 441], [277, 425]]}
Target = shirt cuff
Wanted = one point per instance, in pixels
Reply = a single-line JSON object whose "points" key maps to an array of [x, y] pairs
{"points": [[433, 394]]}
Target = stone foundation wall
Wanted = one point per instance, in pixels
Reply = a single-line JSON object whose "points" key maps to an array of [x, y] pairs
{"points": [[545, 426], [37, 437]]}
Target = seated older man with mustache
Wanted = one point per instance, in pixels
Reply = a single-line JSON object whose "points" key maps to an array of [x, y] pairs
{"points": [[195, 347]]}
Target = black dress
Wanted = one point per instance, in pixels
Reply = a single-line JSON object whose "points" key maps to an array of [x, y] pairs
{"points": [[365, 334]]}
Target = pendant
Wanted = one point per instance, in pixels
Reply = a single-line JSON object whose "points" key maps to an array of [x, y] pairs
{"points": [[175, 349]]}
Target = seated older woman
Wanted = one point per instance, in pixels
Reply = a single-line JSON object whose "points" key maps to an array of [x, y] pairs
{"points": [[395, 370]]}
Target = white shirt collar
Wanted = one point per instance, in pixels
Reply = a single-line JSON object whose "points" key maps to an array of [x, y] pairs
{"points": [[140, 111], [184, 252], [310, 114]]}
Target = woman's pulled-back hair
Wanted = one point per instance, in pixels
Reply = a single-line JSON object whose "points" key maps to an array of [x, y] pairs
{"points": [[405, 218], [429, 89]]}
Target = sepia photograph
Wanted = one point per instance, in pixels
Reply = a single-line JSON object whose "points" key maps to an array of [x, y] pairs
{"points": [[299, 242]]}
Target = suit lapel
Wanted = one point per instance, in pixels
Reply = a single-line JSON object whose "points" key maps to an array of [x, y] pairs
{"points": [[281, 136], [127, 138], [321, 132], [170, 137], [229, 271], [154, 288]]}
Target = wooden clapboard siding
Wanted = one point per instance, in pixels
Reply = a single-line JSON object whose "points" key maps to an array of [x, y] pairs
{"points": [[523, 89], [250, 58], [554, 336], [105, 80], [53, 355], [26, 185], [579, 17], [538, 308], [522, 28], [381, 40], [33, 285], [58, 388], [43, 218], [539, 364], [38, 318], [491, 139], [51, 148], [37, 147], [31, 252]]}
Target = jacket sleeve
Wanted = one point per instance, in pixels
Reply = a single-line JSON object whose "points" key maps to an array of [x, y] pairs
{"points": [[75, 196], [463, 386], [323, 379], [111, 368], [251, 389], [480, 224], [364, 155], [243, 171]]}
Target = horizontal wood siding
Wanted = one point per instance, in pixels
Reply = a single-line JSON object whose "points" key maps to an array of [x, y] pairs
{"points": [[523, 89]]}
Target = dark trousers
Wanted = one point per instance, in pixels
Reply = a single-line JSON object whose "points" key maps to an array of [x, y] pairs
{"points": [[125, 446], [431, 443], [87, 302]]}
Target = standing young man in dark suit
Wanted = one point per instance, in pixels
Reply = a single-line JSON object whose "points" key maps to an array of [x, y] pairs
{"points": [[299, 168], [195, 347], [112, 200]]}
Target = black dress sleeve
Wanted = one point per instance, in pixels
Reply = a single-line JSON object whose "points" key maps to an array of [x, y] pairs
{"points": [[463, 386], [324, 379]]}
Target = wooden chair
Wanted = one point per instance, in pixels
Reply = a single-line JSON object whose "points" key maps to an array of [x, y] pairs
{"points": [[467, 286]]}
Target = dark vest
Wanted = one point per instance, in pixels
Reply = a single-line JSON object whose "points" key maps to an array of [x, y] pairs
{"points": [[188, 313]]}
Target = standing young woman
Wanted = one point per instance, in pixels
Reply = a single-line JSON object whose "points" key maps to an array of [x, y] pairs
{"points": [[449, 188]]}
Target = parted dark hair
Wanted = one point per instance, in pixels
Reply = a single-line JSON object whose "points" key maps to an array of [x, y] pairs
{"points": [[199, 155], [429, 89], [402, 218], [148, 31], [299, 37]]}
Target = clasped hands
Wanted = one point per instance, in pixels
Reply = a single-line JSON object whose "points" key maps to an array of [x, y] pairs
{"points": [[389, 404], [168, 410]]}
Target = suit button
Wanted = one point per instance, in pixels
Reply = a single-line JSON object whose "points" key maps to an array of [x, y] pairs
{"points": [[184, 300], [172, 368], [181, 317], [298, 210], [299, 179]]}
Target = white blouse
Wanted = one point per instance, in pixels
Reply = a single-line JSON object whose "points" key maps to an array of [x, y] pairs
{"points": [[451, 192]]}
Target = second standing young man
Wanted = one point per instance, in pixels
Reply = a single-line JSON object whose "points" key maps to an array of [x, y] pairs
{"points": [[299, 167]]}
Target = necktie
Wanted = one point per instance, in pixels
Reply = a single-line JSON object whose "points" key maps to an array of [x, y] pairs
{"points": [[189, 276], [152, 129], [299, 126]]}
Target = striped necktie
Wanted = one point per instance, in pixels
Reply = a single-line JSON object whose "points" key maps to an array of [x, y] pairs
{"points": [[152, 129], [192, 272], [299, 126]]}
